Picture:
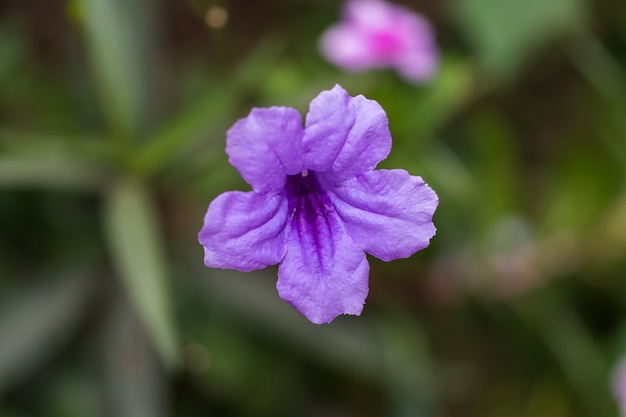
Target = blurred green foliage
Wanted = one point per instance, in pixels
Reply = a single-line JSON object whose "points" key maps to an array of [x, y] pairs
{"points": [[112, 124]]}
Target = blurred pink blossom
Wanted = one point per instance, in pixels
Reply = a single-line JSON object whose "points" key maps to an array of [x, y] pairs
{"points": [[377, 34]]}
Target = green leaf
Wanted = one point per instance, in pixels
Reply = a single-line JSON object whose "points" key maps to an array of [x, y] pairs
{"points": [[348, 345], [606, 74], [601, 69], [193, 124], [574, 347], [134, 383], [259, 64], [33, 160], [36, 320], [12, 53], [407, 357], [136, 246], [505, 33], [564, 208], [494, 149], [415, 113], [120, 36], [386, 350], [48, 172]]}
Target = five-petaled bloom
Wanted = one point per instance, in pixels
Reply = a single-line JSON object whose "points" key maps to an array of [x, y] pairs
{"points": [[377, 34], [317, 203]]}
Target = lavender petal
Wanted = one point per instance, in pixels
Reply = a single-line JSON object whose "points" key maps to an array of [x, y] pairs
{"points": [[266, 146], [324, 273], [387, 212], [345, 136], [244, 231]]}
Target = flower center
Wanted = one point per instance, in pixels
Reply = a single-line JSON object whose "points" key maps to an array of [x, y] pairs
{"points": [[310, 210], [386, 44]]}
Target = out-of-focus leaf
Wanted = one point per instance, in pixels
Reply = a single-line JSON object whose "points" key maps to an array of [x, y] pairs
{"points": [[494, 166], [573, 346], [506, 33], [237, 364], [607, 241], [389, 351], [36, 320], [35, 160], [134, 383], [48, 172], [259, 64], [448, 91], [608, 76], [74, 391], [26, 142], [345, 344], [136, 246], [407, 362], [414, 113], [601, 69], [11, 53], [565, 209], [121, 36], [193, 124], [285, 82], [441, 167]]}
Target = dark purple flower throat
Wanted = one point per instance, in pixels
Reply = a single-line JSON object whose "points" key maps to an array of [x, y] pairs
{"points": [[310, 211]]}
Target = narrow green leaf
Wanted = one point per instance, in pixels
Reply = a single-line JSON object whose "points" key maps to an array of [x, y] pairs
{"points": [[573, 346], [445, 170], [33, 160], [48, 172], [599, 67], [494, 149], [134, 383], [121, 35], [415, 113], [136, 246], [346, 344], [259, 64], [28, 142], [36, 320], [608, 76], [190, 126], [407, 359], [390, 350]]}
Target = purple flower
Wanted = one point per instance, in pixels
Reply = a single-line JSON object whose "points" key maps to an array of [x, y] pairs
{"points": [[376, 34], [317, 204]]}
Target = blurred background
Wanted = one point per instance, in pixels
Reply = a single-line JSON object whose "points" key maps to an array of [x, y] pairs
{"points": [[113, 116]]}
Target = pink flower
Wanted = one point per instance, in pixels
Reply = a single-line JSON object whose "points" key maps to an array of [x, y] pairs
{"points": [[377, 34]]}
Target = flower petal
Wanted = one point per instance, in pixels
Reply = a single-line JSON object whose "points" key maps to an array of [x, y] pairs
{"points": [[343, 46], [266, 146], [418, 66], [244, 231], [387, 212], [324, 273], [345, 136], [369, 14], [419, 58]]}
